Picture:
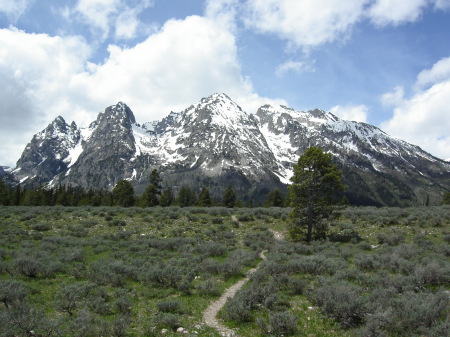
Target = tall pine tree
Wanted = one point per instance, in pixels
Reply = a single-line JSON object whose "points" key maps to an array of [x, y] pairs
{"points": [[204, 198], [186, 197], [166, 197], [123, 194], [274, 199], [152, 194], [4, 197], [315, 184], [229, 197]]}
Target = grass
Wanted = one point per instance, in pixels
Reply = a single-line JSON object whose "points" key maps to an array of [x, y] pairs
{"points": [[191, 255]]}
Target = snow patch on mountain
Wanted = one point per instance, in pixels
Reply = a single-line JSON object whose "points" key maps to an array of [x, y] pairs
{"points": [[74, 154]]}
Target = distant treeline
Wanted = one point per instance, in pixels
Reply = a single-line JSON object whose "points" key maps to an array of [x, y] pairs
{"points": [[123, 195]]}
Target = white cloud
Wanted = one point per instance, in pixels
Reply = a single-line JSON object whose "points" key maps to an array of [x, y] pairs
{"points": [[293, 66], [34, 84], [172, 69], [304, 23], [128, 25], [310, 23], [393, 98], [104, 16], [223, 12], [424, 118], [442, 4], [188, 59], [97, 13], [439, 72], [14, 9], [357, 113], [395, 12]]}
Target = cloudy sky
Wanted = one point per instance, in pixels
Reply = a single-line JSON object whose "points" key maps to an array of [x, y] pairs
{"points": [[384, 62]]}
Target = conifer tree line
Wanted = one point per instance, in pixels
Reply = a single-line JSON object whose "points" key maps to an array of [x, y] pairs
{"points": [[124, 195]]}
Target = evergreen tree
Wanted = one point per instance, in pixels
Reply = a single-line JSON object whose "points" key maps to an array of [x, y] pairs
{"points": [[166, 197], [123, 194], [446, 199], [229, 197], [186, 197], [274, 199], [315, 183], [204, 198], [16, 196], [4, 197], [152, 194], [62, 197], [35, 197]]}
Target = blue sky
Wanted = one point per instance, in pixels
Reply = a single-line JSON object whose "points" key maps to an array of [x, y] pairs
{"points": [[384, 62]]}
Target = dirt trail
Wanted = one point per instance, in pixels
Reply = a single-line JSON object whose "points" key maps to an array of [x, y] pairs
{"points": [[278, 235], [210, 314]]}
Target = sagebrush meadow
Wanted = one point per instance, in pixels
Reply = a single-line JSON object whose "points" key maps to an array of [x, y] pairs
{"points": [[111, 271]]}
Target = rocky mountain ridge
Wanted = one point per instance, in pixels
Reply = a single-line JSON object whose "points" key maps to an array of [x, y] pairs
{"points": [[214, 143]]}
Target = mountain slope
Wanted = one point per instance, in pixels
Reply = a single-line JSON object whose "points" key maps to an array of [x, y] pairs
{"points": [[214, 143], [378, 169]]}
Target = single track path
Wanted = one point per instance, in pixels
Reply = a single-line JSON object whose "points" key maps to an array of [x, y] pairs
{"points": [[210, 314]]}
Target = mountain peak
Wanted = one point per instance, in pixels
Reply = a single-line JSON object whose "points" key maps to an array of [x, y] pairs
{"points": [[220, 99], [218, 109], [57, 126], [119, 111], [216, 96], [59, 120]]}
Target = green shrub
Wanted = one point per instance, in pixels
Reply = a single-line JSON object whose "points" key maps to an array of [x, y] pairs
{"points": [[13, 292], [32, 263], [366, 262], [87, 324], [167, 320], [208, 288], [89, 223], [42, 227], [238, 310], [413, 311], [432, 273], [314, 265], [217, 220], [117, 223], [99, 301], [173, 307], [111, 272], [343, 302], [164, 275], [210, 249], [70, 296], [230, 268], [391, 239], [245, 217], [123, 304], [120, 325], [282, 324], [297, 286], [22, 319]]}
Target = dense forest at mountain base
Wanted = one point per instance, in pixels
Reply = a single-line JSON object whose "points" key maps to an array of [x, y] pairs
{"points": [[112, 271], [124, 195]]}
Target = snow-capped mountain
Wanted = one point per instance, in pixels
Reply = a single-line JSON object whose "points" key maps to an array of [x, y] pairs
{"points": [[214, 143]]}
